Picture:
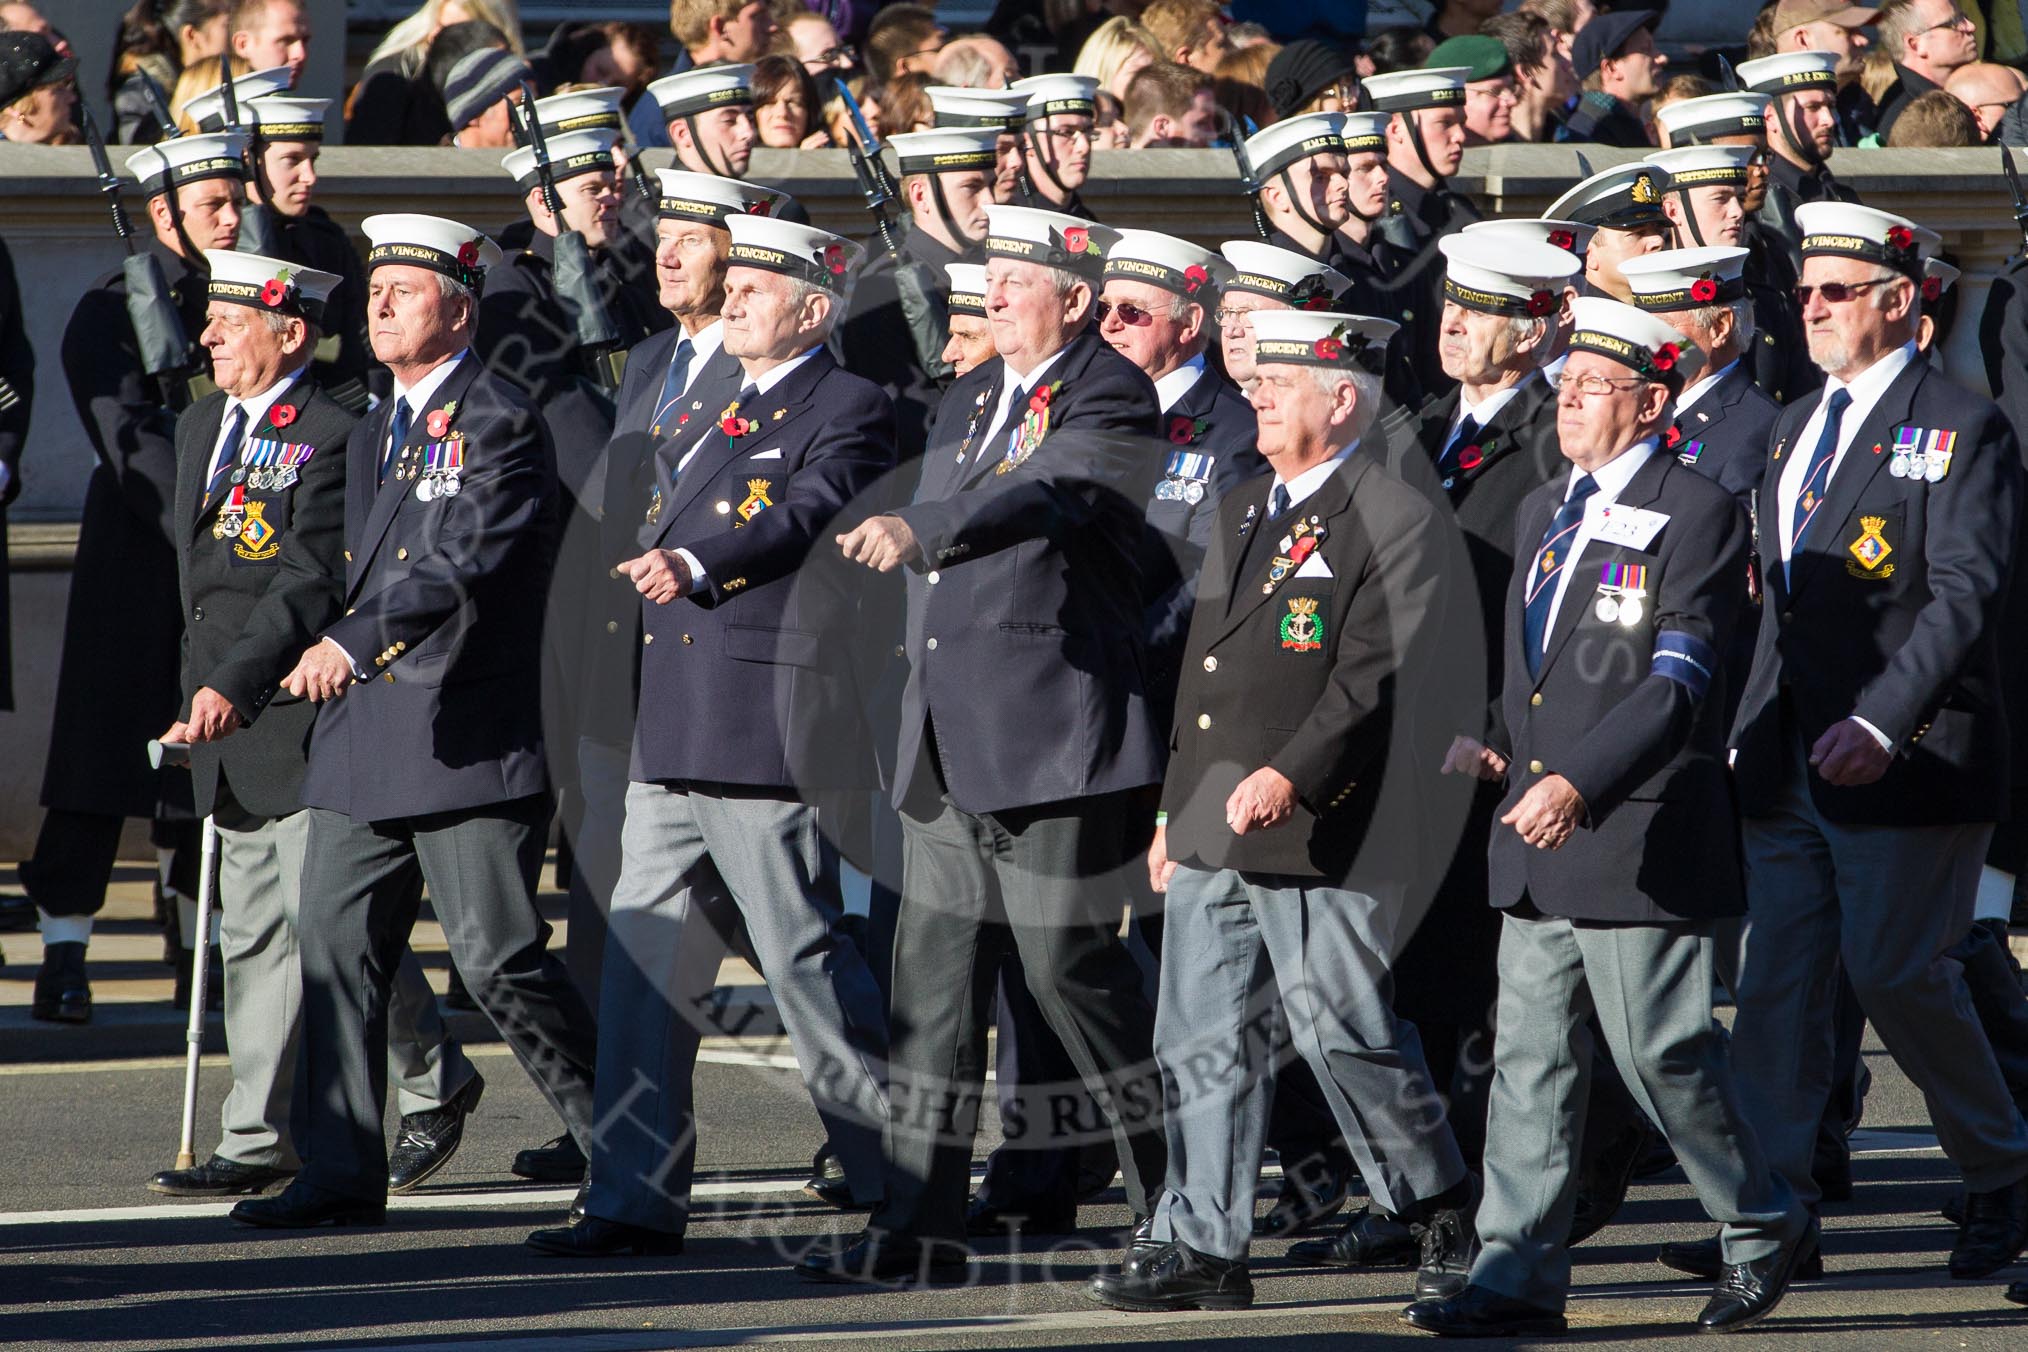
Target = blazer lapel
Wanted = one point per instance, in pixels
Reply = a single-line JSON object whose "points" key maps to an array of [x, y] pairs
{"points": [[1855, 470], [386, 500], [717, 450], [1643, 489], [990, 452], [1258, 585], [941, 468]]}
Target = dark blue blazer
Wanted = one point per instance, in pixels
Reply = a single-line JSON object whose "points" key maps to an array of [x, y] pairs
{"points": [[1025, 614], [444, 617], [1631, 715], [622, 487], [253, 607], [1724, 435], [1179, 530], [755, 680], [1911, 643]]}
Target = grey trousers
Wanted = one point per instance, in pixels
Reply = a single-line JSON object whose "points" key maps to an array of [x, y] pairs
{"points": [[691, 857], [1232, 944], [1651, 988], [362, 887], [1889, 902], [260, 876], [1053, 882]]}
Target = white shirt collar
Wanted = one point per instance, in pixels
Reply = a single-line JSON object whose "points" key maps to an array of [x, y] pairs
{"points": [[777, 374], [1012, 380], [423, 391], [1490, 409], [1867, 387], [1312, 479], [1179, 382], [1552, 371], [704, 344], [258, 406], [1613, 477], [1702, 387]]}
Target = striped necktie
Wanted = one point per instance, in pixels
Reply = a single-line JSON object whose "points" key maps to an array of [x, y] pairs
{"points": [[1551, 558]]}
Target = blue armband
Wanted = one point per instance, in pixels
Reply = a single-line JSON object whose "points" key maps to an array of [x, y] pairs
{"points": [[1685, 659]]}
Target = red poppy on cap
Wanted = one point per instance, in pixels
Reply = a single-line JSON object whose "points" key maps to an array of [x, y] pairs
{"points": [[1900, 237], [1564, 239], [274, 292], [468, 254], [760, 208], [1330, 349], [1320, 301], [1703, 290], [834, 259], [1540, 304], [1077, 239], [1665, 357], [281, 415], [1932, 287], [1194, 276]]}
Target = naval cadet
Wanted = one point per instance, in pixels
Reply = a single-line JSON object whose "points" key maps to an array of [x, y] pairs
{"points": [[1058, 131], [1777, 356], [946, 182], [1318, 606], [1020, 548], [1872, 741], [1614, 852], [1802, 130], [118, 682], [1425, 145], [742, 609], [709, 114], [426, 759], [1002, 111], [260, 513], [1623, 206], [286, 136], [630, 249]]}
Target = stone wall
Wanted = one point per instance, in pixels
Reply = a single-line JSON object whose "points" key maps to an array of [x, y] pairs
{"points": [[56, 226]]}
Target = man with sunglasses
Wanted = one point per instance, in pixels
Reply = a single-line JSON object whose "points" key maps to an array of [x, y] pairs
{"points": [[1057, 136], [1927, 39], [1802, 128], [1871, 743], [1614, 855]]}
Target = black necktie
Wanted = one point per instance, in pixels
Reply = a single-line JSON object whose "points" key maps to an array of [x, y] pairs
{"points": [[1552, 556], [1278, 501], [229, 458], [398, 435], [674, 385], [1467, 433]]}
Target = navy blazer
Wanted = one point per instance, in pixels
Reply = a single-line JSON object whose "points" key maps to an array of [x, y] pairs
{"points": [[755, 680], [443, 616], [1890, 612], [1630, 714], [1025, 613], [1207, 442], [1724, 435], [253, 604]]}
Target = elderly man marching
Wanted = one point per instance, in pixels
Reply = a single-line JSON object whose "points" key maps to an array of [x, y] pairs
{"points": [[1318, 601], [260, 515], [1872, 739], [1613, 855], [426, 764], [720, 824]]}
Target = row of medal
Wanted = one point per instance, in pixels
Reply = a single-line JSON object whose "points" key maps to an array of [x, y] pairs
{"points": [[271, 466], [1621, 587], [436, 466], [1184, 478], [1922, 453]]}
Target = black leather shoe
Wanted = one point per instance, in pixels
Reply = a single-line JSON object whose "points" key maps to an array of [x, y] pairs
{"points": [[877, 1258], [1476, 1312], [1748, 1292], [304, 1206], [1175, 1277], [1310, 1194], [596, 1237], [1368, 1240], [1450, 1244], [217, 1177], [1702, 1258], [1994, 1233], [1030, 1218], [62, 994], [426, 1141], [2018, 1293], [456, 996], [1831, 1167], [17, 912], [1953, 1208], [1604, 1176], [829, 1185], [557, 1161], [578, 1203]]}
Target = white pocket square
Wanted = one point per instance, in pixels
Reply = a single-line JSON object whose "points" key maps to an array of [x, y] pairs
{"points": [[774, 454], [1314, 566]]}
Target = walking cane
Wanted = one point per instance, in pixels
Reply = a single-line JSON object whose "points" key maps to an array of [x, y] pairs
{"points": [[176, 753]]}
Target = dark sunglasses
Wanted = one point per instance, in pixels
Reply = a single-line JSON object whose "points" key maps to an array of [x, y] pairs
{"points": [[1837, 293], [1129, 312]]}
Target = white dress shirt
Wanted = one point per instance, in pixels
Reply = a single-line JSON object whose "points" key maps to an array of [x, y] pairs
{"points": [[1865, 389], [1179, 382], [1310, 480], [256, 409], [1552, 371], [1483, 413], [1010, 381], [762, 383], [1612, 479], [1692, 393]]}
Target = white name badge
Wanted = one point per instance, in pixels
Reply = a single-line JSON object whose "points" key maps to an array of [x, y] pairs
{"points": [[1633, 527]]}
